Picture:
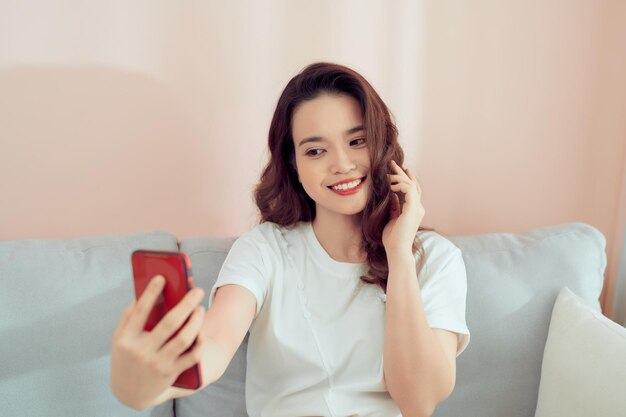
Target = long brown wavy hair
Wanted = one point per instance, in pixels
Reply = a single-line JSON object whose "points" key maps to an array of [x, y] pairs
{"points": [[280, 197]]}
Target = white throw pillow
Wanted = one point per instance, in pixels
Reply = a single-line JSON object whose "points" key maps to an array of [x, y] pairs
{"points": [[583, 372]]}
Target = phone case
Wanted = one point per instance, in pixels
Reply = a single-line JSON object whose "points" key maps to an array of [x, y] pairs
{"points": [[176, 268]]}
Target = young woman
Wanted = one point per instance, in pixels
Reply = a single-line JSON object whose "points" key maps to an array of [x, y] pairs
{"points": [[353, 308]]}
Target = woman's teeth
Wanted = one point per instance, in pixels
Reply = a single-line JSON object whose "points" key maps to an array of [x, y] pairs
{"points": [[347, 186]]}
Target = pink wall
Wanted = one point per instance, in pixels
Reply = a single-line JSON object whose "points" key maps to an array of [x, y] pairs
{"points": [[525, 118], [520, 124]]}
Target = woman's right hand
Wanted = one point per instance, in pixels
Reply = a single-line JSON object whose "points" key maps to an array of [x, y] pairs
{"points": [[143, 365]]}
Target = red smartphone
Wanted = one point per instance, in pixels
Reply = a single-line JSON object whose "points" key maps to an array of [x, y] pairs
{"points": [[176, 268]]}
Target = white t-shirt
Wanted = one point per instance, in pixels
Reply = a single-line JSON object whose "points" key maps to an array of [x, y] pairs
{"points": [[316, 342]]}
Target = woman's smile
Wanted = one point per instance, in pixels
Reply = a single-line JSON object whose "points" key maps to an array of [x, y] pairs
{"points": [[348, 188]]}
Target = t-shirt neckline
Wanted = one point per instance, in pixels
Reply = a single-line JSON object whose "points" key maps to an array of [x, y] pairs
{"points": [[317, 251]]}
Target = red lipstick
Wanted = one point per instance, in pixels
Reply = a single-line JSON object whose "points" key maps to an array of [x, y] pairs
{"points": [[348, 191]]}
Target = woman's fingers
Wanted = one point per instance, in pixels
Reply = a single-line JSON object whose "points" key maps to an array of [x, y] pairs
{"points": [[192, 357], [175, 318], [398, 169], [395, 178], [401, 187], [181, 342], [144, 304], [395, 206], [403, 176], [124, 319], [414, 179]]}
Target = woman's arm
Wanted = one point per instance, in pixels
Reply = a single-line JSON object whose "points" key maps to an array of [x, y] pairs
{"points": [[225, 326], [419, 362]]}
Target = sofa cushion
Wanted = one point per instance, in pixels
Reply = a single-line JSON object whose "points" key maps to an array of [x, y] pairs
{"points": [[512, 283], [59, 305], [584, 362]]}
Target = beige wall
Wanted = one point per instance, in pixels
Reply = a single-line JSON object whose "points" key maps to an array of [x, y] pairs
{"points": [[525, 117], [128, 117]]}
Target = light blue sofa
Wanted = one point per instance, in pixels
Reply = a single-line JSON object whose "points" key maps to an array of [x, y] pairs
{"points": [[61, 299]]}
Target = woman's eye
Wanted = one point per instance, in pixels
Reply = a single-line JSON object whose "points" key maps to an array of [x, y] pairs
{"points": [[360, 141], [313, 152]]}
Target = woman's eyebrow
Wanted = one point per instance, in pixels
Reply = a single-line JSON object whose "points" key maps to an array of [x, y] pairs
{"points": [[321, 139]]}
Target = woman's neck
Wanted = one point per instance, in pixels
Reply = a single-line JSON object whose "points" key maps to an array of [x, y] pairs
{"points": [[340, 236]]}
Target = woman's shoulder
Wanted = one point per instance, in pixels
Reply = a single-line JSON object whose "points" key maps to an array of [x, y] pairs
{"points": [[267, 233], [436, 243], [260, 229], [270, 242], [265, 229], [442, 256]]}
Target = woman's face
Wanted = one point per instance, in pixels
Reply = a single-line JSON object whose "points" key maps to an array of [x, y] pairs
{"points": [[331, 149]]}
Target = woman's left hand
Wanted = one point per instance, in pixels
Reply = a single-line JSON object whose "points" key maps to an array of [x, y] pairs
{"points": [[399, 233]]}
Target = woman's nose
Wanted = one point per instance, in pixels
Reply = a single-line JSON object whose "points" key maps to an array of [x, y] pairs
{"points": [[342, 162]]}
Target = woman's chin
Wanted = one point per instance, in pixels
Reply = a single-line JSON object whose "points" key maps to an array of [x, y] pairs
{"points": [[346, 210]]}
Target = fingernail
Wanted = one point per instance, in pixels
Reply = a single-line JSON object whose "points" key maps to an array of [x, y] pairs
{"points": [[158, 280]]}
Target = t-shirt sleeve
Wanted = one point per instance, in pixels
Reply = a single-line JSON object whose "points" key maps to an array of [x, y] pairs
{"points": [[444, 293], [245, 265]]}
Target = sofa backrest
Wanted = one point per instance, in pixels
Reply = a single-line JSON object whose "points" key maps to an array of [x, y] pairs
{"points": [[513, 281], [61, 300]]}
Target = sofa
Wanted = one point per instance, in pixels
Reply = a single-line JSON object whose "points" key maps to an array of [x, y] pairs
{"points": [[61, 299]]}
